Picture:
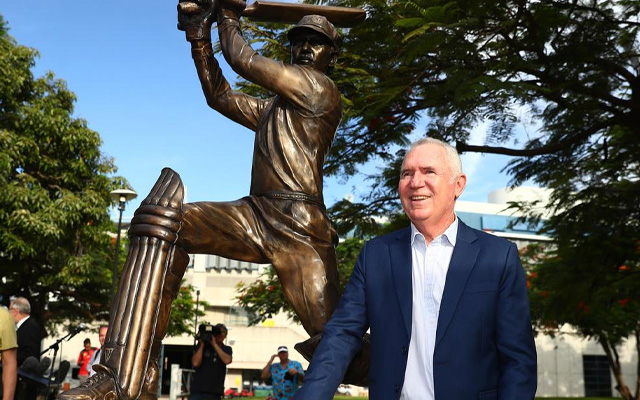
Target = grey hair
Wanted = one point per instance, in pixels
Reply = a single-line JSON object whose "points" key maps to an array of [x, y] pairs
{"points": [[453, 157], [22, 305]]}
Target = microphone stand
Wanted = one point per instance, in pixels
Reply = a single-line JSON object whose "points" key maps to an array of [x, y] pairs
{"points": [[55, 347]]}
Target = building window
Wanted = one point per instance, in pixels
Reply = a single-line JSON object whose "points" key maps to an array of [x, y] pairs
{"points": [[597, 378], [237, 316], [220, 263]]}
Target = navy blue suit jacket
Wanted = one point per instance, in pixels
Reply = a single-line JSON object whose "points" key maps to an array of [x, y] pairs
{"points": [[484, 343]]}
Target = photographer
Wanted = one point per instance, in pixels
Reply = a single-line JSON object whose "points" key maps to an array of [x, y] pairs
{"points": [[286, 375], [210, 361]]}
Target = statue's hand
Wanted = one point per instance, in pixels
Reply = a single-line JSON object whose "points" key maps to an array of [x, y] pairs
{"points": [[195, 18]]}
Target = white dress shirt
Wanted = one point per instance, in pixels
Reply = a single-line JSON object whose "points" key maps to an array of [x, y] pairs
{"points": [[95, 359], [429, 266]]}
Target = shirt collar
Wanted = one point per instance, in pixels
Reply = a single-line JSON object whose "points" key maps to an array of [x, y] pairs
{"points": [[450, 234], [19, 324]]}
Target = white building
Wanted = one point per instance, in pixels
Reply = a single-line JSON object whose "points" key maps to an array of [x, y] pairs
{"points": [[568, 366]]}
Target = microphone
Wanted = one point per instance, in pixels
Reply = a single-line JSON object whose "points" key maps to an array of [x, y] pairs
{"points": [[78, 329], [30, 364]]}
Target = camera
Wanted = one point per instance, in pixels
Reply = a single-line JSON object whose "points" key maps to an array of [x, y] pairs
{"points": [[206, 332]]}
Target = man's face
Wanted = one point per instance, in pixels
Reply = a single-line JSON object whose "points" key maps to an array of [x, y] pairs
{"points": [[87, 346], [312, 49], [427, 186], [102, 335], [284, 356], [221, 336], [14, 313]]}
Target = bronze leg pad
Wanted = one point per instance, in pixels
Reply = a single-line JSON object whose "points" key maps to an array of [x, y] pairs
{"points": [[140, 314]]}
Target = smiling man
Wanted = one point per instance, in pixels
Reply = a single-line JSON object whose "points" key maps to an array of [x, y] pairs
{"points": [[446, 304]]}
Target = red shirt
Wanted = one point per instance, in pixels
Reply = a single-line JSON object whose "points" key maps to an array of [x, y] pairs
{"points": [[83, 361]]}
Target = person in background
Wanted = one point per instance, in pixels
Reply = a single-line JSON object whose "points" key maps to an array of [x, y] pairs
{"points": [[28, 330], [83, 360], [210, 361], [8, 354], [286, 375], [95, 357]]}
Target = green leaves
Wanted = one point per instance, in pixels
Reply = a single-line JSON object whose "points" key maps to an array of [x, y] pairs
{"points": [[183, 312], [558, 84], [54, 195]]}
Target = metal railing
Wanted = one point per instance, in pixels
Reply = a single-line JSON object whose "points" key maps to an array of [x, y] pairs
{"points": [[180, 382]]}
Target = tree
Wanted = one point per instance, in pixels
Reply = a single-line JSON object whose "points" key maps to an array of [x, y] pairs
{"points": [[600, 305], [567, 70], [57, 241], [183, 311], [55, 247]]}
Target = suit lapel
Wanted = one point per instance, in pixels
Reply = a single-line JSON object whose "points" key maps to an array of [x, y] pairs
{"points": [[400, 253], [462, 261]]}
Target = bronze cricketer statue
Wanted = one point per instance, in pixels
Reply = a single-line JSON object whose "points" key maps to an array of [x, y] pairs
{"points": [[283, 220]]}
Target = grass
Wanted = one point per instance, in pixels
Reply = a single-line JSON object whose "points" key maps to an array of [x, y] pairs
{"points": [[537, 398], [335, 398]]}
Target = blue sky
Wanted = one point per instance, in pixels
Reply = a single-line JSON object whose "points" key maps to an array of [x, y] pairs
{"points": [[136, 85]]}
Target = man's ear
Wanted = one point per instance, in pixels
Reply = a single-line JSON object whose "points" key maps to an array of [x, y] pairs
{"points": [[460, 184]]}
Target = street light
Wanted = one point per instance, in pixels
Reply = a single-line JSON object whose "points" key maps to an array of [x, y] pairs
{"points": [[121, 196], [195, 329]]}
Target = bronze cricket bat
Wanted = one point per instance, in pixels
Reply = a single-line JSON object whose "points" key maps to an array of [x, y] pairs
{"points": [[275, 11]]}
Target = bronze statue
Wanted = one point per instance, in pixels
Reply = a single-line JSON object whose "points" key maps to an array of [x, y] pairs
{"points": [[282, 222]]}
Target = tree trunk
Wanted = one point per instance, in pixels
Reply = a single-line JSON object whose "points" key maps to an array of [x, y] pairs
{"points": [[614, 363]]}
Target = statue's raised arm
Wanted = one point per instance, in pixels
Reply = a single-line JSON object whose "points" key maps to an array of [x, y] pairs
{"points": [[196, 20]]}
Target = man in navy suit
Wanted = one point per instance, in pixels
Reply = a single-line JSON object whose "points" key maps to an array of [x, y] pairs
{"points": [[28, 330], [446, 305]]}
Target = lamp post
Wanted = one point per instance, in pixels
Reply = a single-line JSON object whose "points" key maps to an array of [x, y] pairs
{"points": [[195, 340], [121, 196]]}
